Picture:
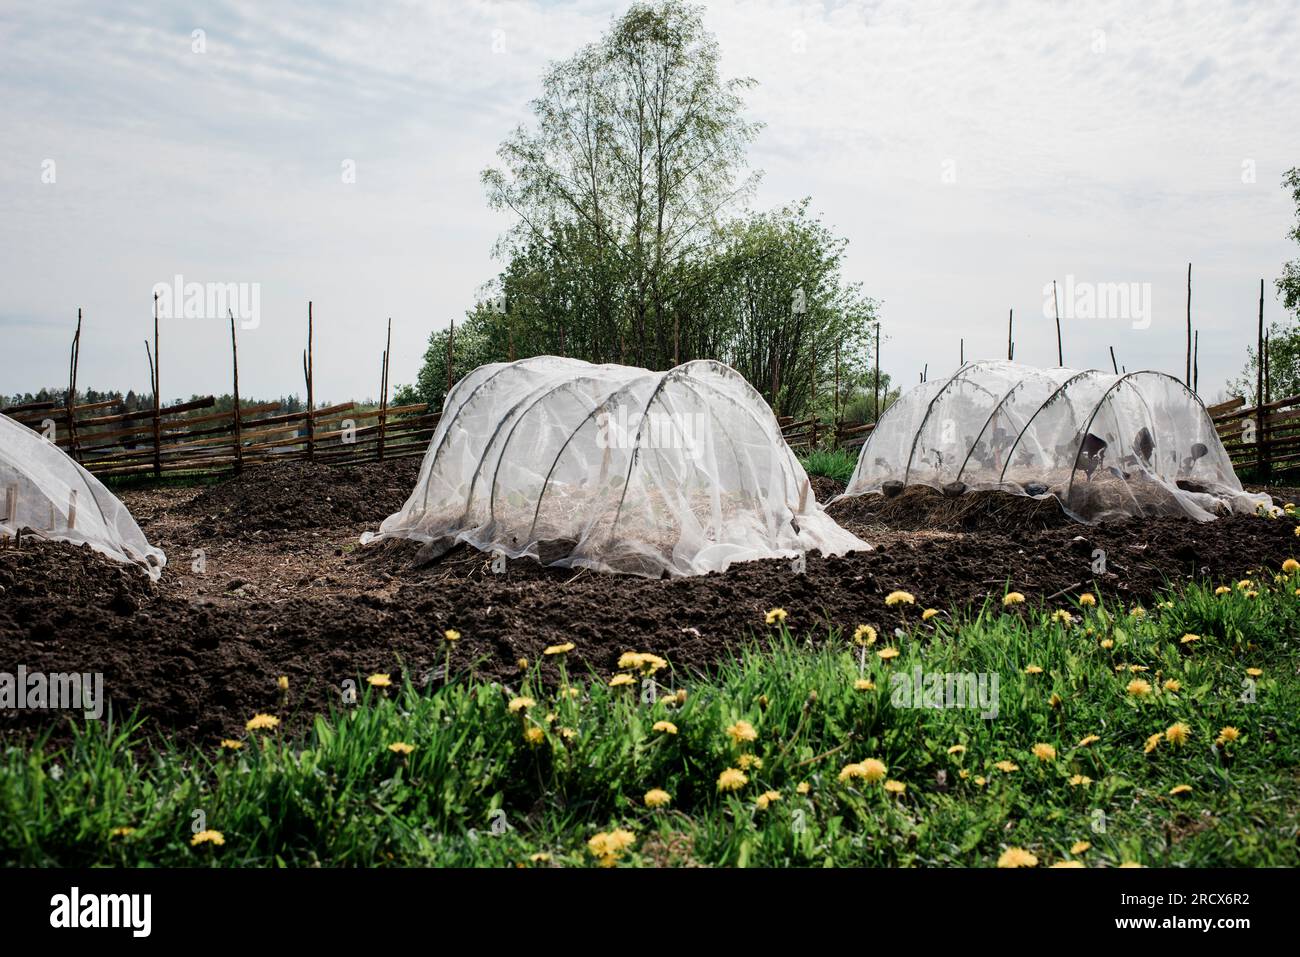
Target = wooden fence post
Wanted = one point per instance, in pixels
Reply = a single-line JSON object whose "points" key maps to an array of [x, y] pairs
{"points": [[1261, 460], [383, 388], [157, 399], [308, 374], [72, 391], [238, 421], [1060, 356], [1187, 376]]}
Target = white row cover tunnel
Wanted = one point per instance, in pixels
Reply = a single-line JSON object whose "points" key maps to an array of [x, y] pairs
{"points": [[614, 468], [1107, 446], [46, 493]]}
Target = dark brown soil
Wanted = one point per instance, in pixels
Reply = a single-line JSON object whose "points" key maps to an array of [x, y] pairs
{"points": [[292, 498], [199, 652]]}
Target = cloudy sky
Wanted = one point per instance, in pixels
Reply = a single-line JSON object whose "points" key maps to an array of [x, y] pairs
{"points": [[970, 151]]}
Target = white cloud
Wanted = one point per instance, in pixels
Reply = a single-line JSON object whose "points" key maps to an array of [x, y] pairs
{"points": [[1105, 143]]}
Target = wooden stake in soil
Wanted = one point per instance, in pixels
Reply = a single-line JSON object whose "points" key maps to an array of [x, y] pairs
{"points": [[157, 400], [238, 416], [1060, 356], [961, 352], [1113, 364], [835, 442], [307, 371], [1011, 348]]}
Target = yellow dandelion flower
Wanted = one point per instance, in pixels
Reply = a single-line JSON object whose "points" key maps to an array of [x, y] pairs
{"points": [[522, 664], [1290, 566], [215, 838], [864, 635], [567, 734], [401, 747], [775, 616], [282, 682], [1180, 789], [664, 727], [1033, 670], [895, 787], [1138, 669], [1007, 767], [871, 770], [1067, 864], [451, 634], [900, 598], [1252, 594], [230, 744], [732, 779], [1188, 638], [619, 681], [1017, 857], [121, 832], [1088, 599], [981, 780], [541, 857], [1012, 598], [1245, 584], [380, 681], [1139, 687], [1137, 611], [1153, 742], [1054, 701], [1227, 735], [741, 732], [657, 797], [964, 773], [929, 613], [1173, 685], [1107, 643], [1080, 780], [957, 749], [1044, 752], [1255, 672], [534, 735], [1224, 589], [1080, 847], [750, 761], [1088, 740], [804, 787], [864, 684], [560, 649], [1131, 864], [606, 846], [520, 704], [887, 654], [766, 798], [1177, 733], [1063, 617], [262, 722]]}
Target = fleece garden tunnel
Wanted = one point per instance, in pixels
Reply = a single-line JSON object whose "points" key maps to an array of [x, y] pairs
{"points": [[1105, 446], [613, 468], [45, 493]]}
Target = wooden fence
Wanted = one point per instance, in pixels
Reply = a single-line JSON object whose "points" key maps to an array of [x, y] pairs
{"points": [[186, 438]]}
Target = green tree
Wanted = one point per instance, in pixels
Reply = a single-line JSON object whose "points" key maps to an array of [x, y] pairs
{"points": [[1283, 337], [637, 147]]}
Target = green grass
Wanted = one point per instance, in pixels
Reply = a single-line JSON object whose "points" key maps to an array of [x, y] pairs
{"points": [[475, 792], [838, 464]]}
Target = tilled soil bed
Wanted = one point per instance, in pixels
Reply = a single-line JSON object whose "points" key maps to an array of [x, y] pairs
{"points": [[246, 599]]}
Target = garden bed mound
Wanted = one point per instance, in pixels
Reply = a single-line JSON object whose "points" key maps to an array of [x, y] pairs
{"points": [[922, 508], [302, 496]]}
